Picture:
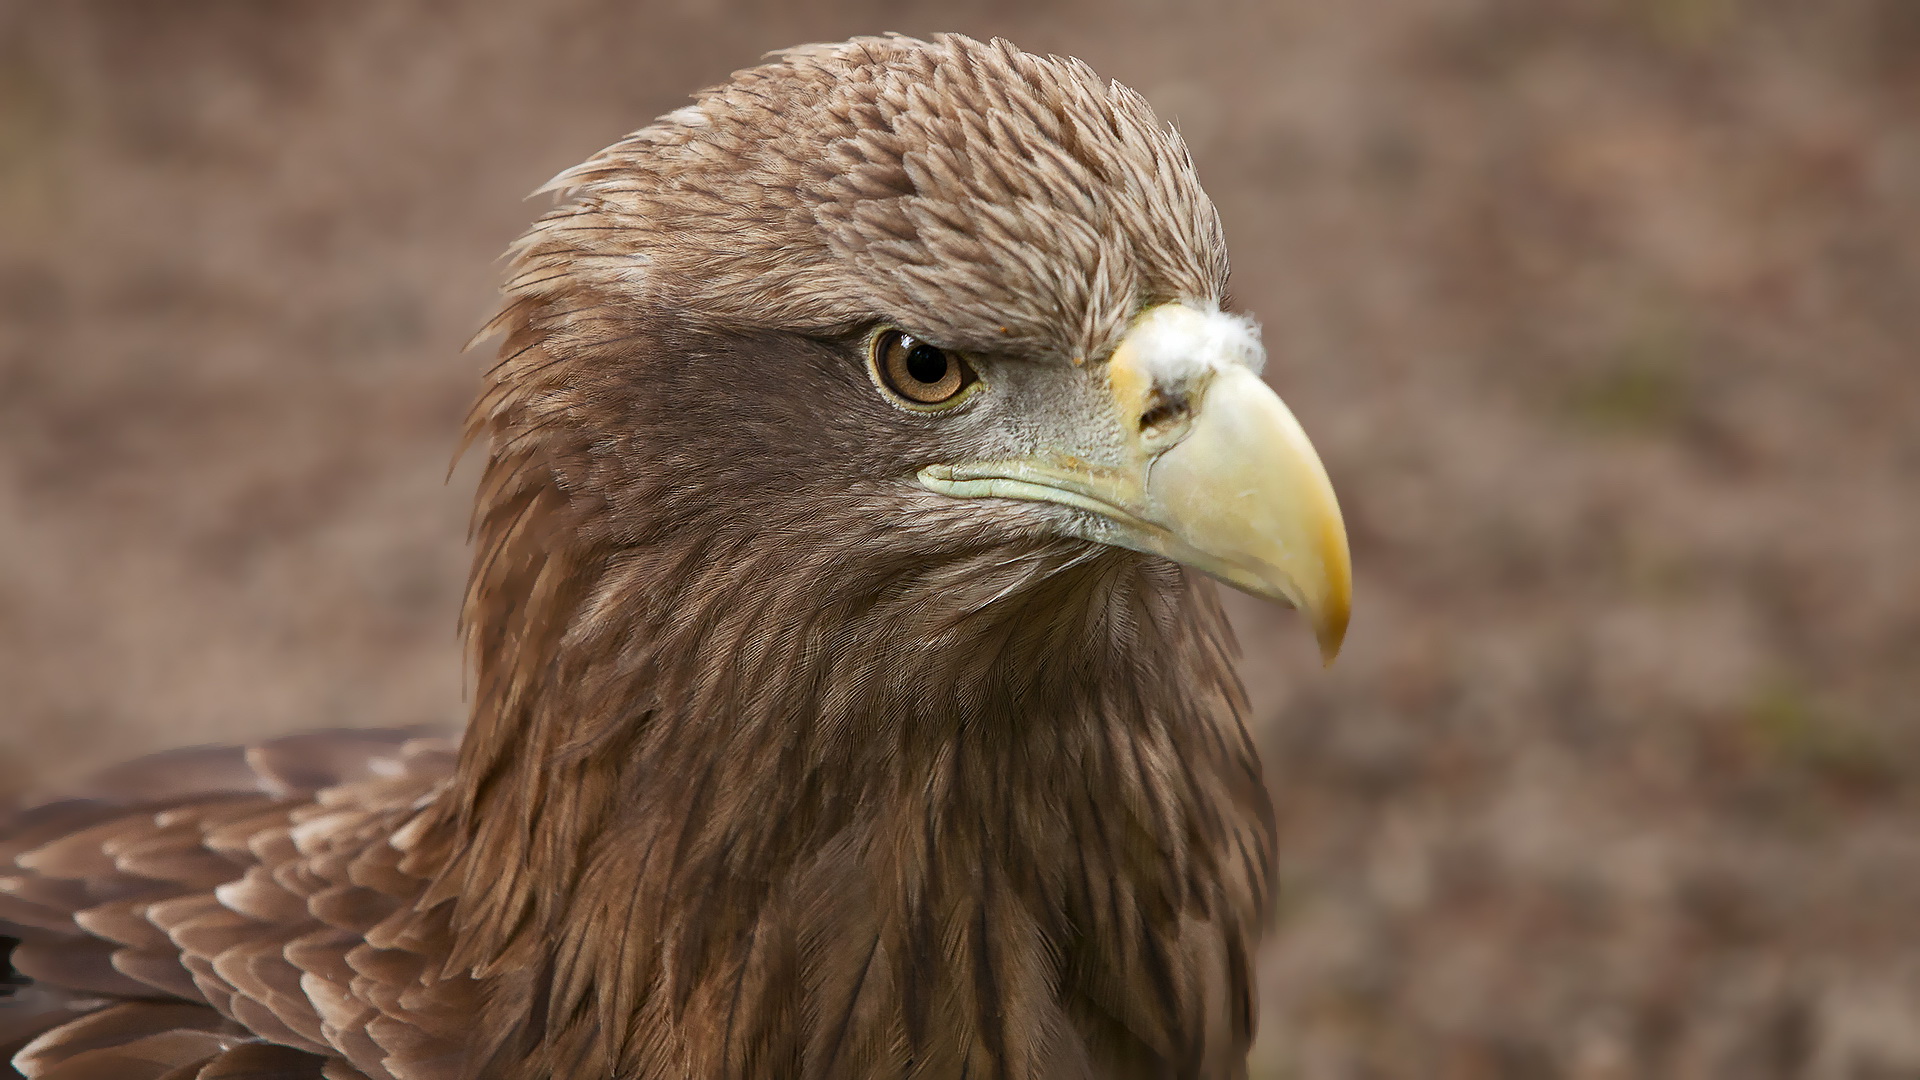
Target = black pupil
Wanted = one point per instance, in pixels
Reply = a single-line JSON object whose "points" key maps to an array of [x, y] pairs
{"points": [[927, 364]]}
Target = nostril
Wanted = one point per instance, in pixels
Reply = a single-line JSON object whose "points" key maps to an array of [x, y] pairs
{"points": [[1163, 412]]}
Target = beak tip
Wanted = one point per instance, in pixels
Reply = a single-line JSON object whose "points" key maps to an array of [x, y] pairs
{"points": [[1331, 632]]}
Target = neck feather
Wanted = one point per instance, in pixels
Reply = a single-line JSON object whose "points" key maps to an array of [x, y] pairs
{"points": [[758, 803]]}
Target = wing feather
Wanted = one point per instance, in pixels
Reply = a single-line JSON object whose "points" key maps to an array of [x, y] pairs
{"points": [[261, 1061], [223, 894], [76, 963], [114, 1027], [162, 971]]}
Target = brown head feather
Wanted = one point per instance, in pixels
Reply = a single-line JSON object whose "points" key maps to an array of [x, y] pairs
{"points": [[1008, 202]]}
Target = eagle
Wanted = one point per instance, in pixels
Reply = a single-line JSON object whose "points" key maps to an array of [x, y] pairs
{"points": [[850, 697]]}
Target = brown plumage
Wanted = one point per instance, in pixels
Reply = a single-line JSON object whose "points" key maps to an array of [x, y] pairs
{"points": [[782, 763]]}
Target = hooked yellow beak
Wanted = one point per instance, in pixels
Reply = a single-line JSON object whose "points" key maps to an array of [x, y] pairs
{"points": [[1217, 472]]}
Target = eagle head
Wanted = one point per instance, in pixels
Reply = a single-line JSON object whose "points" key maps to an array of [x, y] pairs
{"points": [[946, 298]]}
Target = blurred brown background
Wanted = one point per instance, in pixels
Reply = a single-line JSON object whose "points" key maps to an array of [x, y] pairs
{"points": [[1604, 313]]}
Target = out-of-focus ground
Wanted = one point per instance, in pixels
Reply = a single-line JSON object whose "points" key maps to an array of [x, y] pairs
{"points": [[1605, 315]]}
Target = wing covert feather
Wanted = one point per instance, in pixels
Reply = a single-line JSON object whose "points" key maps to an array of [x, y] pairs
{"points": [[224, 896]]}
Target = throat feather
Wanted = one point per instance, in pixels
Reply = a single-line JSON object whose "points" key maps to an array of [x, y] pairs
{"points": [[740, 816]]}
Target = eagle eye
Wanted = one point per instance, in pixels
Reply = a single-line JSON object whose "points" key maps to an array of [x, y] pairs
{"points": [[922, 376]]}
